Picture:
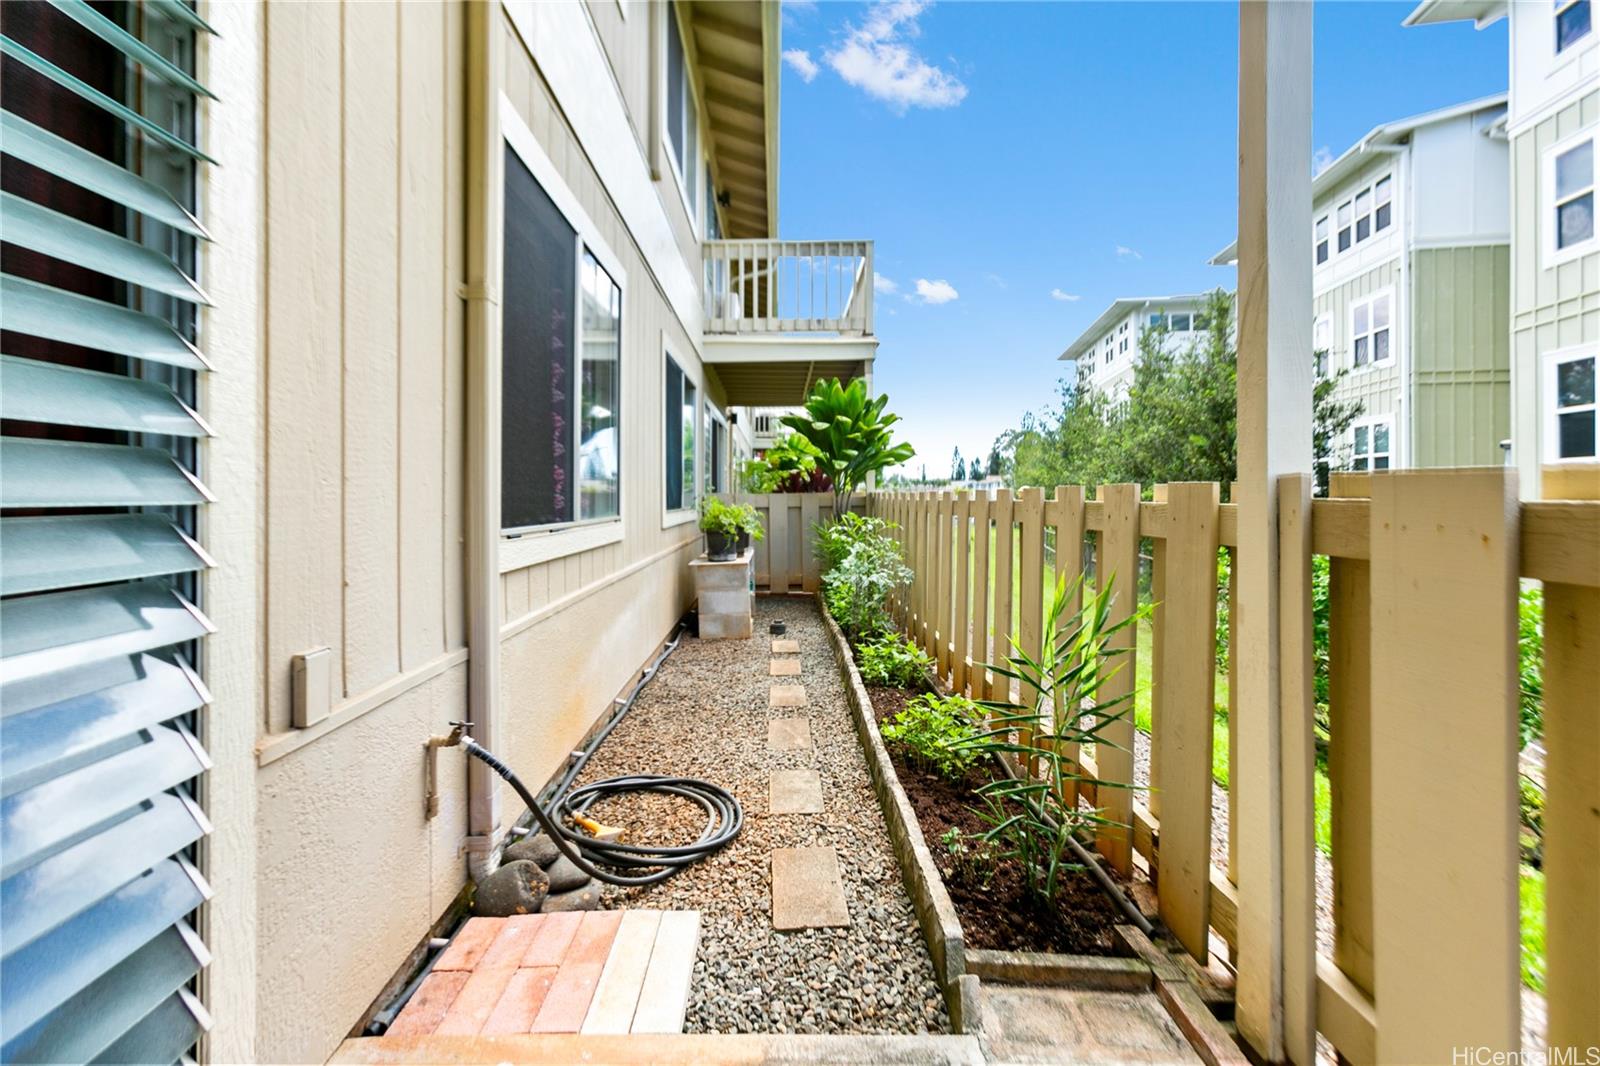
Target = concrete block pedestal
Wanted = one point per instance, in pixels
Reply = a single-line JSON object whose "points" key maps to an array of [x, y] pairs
{"points": [[726, 594]]}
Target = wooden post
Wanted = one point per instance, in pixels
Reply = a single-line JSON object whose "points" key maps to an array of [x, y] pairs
{"points": [[977, 672], [1444, 762], [1183, 732], [1274, 422], [1030, 593], [1003, 628], [941, 614], [1158, 626], [1117, 563], [1233, 698], [1572, 796], [963, 577], [1065, 512]]}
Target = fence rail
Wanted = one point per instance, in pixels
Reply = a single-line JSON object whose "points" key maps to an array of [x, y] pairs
{"points": [[1424, 568], [772, 286]]}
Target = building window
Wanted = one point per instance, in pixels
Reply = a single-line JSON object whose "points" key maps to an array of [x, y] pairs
{"points": [[1363, 215], [1344, 226], [716, 451], [1570, 421], [1123, 346], [682, 402], [561, 366], [1573, 23], [1322, 342], [1322, 240], [1369, 448], [1383, 194], [1370, 332], [1157, 321], [683, 118], [1569, 184], [1180, 322]]}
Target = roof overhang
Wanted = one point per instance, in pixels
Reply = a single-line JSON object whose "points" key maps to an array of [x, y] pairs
{"points": [[736, 45], [1115, 312], [1480, 13], [777, 371]]}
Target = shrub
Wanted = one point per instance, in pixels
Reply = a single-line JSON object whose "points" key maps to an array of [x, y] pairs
{"points": [[719, 517], [934, 731], [857, 587], [892, 660], [835, 539], [850, 433]]}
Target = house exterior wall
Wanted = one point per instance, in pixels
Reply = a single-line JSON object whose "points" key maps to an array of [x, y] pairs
{"points": [[1552, 306], [1542, 81], [1460, 354], [340, 265], [1377, 388]]}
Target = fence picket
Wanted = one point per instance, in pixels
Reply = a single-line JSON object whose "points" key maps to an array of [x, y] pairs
{"points": [[1117, 562], [1003, 627], [1030, 584], [778, 544], [810, 518], [943, 518], [1065, 513], [962, 621], [1158, 638], [977, 674]]}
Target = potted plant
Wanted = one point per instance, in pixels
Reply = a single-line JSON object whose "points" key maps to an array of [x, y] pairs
{"points": [[750, 527], [720, 523]]}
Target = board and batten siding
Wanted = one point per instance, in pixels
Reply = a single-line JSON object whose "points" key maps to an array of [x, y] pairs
{"points": [[1460, 355], [1551, 308], [1378, 388]]}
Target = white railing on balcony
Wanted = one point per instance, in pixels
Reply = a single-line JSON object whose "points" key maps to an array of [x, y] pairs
{"points": [[771, 286]]}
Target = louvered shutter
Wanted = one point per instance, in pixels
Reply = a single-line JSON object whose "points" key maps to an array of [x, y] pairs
{"points": [[100, 623]]}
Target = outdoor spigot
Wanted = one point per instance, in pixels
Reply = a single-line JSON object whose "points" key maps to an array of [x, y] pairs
{"points": [[431, 747]]}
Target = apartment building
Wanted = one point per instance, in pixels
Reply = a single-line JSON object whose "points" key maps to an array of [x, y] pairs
{"points": [[1108, 351], [1552, 120], [365, 365], [1410, 280]]}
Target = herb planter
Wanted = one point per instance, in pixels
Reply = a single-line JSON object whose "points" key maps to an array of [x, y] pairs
{"points": [[721, 547]]}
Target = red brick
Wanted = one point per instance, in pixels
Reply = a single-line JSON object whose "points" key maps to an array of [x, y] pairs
{"points": [[520, 1002], [468, 945], [429, 1003], [567, 1002], [515, 936], [553, 937], [475, 1003]]}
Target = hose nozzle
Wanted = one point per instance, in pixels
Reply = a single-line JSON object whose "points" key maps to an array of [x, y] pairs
{"points": [[599, 830]]}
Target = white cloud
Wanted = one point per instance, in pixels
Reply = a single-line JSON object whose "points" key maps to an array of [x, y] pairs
{"points": [[1065, 297], [937, 291], [1124, 252], [996, 280], [887, 286], [875, 58], [803, 64], [1321, 160]]}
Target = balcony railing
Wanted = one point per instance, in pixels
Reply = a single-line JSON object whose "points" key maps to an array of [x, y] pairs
{"points": [[776, 286]]}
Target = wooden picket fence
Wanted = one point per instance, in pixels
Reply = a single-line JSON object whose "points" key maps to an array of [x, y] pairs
{"points": [[1424, 576], [786, 559]]}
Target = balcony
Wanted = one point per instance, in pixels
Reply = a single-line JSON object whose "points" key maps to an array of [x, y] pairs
{"points": [[781, 314]]}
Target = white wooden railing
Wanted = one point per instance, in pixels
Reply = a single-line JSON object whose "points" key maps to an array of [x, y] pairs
{"points": [[771, 286]]}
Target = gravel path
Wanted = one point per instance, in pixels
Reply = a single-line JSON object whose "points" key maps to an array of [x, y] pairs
{"points": [[705, 715]]}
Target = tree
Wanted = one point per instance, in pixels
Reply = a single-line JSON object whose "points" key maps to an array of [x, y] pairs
{"points": [[851, 434], [996, 461], [958, 468]]}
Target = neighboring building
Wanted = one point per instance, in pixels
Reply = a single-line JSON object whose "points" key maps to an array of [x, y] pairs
{"points": [[1410, 288], [475, 342], [1108, 350], [1552, 122]]}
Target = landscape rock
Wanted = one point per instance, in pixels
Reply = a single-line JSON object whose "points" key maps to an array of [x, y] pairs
{"points": [[516, 888], [581, 899], [537, 848], [564, 876]]}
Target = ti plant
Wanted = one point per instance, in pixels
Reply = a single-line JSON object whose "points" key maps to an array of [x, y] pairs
{"points": [[1033, 815], [850, 433]]}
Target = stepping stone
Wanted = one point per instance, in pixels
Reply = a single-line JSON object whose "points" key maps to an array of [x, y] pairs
{"points": [[786, 647], [807, 891], [788, 734], [787, 696], [469, 944], [664, 998], [784, 668], [567, 1002], [520, 1002], [551, 940], [617, 995], [794, 792]]}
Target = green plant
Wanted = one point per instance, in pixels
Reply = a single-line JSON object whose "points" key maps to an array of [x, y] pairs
{"points": [[835, 539], [851, 434], [1530, 898], [790, 465], [750, 521], [892, 660], [934, 731], [1530, 663], [719, 517], [1035, 814], [856, 588], [972, 858]]}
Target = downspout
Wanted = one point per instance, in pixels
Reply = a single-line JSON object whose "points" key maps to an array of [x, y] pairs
{"points": [[485, 206]]}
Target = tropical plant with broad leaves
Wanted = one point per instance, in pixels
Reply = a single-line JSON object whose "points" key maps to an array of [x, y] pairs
{"points": [[1033, 815], [851, 434]]}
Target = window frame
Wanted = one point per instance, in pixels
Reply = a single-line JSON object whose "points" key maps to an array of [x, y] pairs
{"points": [[1321, 240], [522, 546], [1370, 423], [1549, 217], [1549, 413], [1188, 319], [1563, 55], [713, 474], [1345, 226], [692, 203], [677, 516], [1370, 301], [1323, 321]]}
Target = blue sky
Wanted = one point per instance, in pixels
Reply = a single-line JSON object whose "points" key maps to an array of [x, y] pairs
{"points": [[1042, 159]]}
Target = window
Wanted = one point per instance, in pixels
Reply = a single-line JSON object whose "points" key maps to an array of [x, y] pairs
{"points": [[1383, 193], [1321, 238], [1322, 341], [682, 403], [1573, 23], [1123, 346], [1370, 332], [561, 349], [1363, 215], [683, 118], [1370, 444], [1344, 226], [1180, 322], [1157, 321], [716, 451], [1570, 419], [1569, 185]]}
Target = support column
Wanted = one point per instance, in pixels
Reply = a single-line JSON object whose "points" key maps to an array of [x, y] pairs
{"points": [[1274, 419]]}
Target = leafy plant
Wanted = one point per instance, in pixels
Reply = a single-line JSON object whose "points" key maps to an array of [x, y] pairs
{"points": [[790, 465], [856, 589], [750, 521], [934, 731], [834, 540], [1035, 815], [892, 660], [1530, 663], [717, 516], [972, 858], [851, 434]]}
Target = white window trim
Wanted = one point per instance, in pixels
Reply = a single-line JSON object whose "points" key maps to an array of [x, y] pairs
{"points": [[713, 419], [691, 98], [1370, 422], [1393, 327], [1319, 321], [677, 516], [1547, 400], [520, 547], [1325, 220], [1559, 58], [1547, 196]]}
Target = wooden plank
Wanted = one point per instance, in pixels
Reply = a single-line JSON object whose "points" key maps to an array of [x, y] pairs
{"points": [[567, 1002], [617, 995], [978, 676], [1346, 1015], [1003, 627], [1444, 761], [664, 999], [1117, 564], [778, 543], [944, 516], [552, 939], [1350, 748], [1158, 628], [1297, 711], [469, 944], [810, 518], [1233, 680], [1030, 591], [1065, 513], [1339, 527], [927, 581], [1572, 792], [961, 623], [1561, 542], [1183, 732], [427, 1006]]}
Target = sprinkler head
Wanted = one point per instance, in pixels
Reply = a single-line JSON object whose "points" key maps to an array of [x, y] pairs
{"points": [[778, 629]]}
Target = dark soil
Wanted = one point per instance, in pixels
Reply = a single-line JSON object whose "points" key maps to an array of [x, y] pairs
{"points": [[996, 908]]}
